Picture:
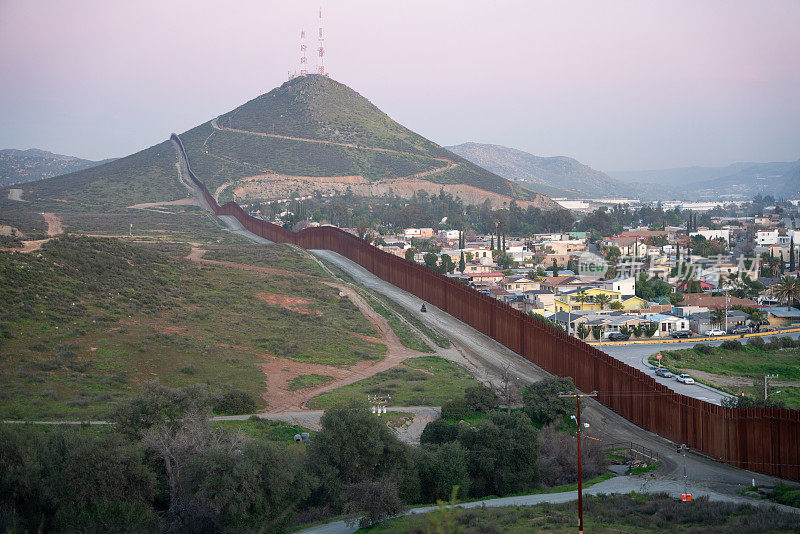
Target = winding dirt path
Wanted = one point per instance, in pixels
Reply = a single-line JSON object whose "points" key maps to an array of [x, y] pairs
{"points": [[447, 162], [54, 228], [280, 371], [179, 202]]}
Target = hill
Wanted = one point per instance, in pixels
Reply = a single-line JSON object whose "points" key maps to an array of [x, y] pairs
{"points": [[20, 166], [736, 181], [310, 135], [554, 176]]}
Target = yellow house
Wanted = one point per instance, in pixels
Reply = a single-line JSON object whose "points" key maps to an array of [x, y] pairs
{"points": [[633, 303], [585, 299]]}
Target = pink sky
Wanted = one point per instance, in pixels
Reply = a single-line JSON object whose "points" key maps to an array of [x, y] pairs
{"points": [[617, 85]]}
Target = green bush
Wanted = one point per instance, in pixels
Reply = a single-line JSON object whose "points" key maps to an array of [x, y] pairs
{"points": [[480, 398], [702, 348], [731, 344], [542, 403], [757, 342], [439, 431], [456, 409], [787, 495], [234, 402]]}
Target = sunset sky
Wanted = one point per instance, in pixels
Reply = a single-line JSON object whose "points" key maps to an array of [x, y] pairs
{"points": [[619, 85]]}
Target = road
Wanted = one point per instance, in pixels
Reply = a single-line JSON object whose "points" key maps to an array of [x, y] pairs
{"points": [[624, 485], [636, 356]]}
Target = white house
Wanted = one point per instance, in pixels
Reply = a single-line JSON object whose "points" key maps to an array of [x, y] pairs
{"points": [[625, 286], [764, 238], [725, 234], [667, 324]]}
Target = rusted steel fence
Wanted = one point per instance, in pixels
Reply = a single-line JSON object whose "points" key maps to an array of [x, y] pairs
{"points": [[765, 440]]}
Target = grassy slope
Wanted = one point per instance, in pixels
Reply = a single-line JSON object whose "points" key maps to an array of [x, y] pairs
{"points": [[423, 381], [146, 176], [602, 514], [749, 362], [89, 319]]}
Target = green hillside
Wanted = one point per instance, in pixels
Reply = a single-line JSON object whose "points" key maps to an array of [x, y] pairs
{"points": [[147, 176], [310, 126]]}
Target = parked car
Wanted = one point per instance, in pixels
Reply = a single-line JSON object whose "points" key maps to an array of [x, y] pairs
{"points": [[618, 336], [686, 379], [715, 332], [739, 330], [681, 333], [664, 373]]}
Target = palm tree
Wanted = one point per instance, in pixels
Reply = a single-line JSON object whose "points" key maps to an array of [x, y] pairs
{"points": [[787, 288], [602, 299], [582, 297], [718, 316]]}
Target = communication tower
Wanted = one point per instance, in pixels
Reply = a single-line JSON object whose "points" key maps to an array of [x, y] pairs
{"points": [[303, 59], [321, 58]]}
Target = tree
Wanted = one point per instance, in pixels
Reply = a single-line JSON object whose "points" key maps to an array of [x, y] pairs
{"points": [[462, 265], [374, 499], [442, 467], [447, 264], [718, 316], [616, 305], [501, 454], [792, 266], [480, 398], [583, 331], [439, 431], [410, 252], [508, 389], [542, 403], [582, 298], [787, 289], [353, 445], [650, 329], [431, 260]]}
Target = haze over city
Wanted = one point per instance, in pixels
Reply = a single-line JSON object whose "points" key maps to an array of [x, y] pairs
{"points": [[617, 85]]}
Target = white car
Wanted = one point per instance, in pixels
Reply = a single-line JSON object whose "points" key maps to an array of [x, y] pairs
{"points": [[715, 332], [686, 379]]}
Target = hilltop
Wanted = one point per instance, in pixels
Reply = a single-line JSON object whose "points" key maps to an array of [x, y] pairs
{"points": [[20, 166], [558, 176], [311, 134]]}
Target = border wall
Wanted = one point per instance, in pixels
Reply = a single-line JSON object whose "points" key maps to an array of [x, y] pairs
{"points": [[764, 440]]}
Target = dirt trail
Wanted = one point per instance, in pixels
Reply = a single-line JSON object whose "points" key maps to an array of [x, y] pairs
{"points": [[196, 255], [280, 371], [15, 194], [179, 202], [54, 228]]}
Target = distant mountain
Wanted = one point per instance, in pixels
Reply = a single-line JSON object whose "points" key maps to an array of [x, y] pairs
{"points": [[735, 181], [310, 135], [20, 166], [554, 176]]}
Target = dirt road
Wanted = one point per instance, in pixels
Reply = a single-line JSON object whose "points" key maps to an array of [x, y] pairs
{"points": [[15, 194], [279, 372]]}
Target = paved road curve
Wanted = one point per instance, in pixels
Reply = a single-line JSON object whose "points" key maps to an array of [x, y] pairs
{"points": [[636, 356]]}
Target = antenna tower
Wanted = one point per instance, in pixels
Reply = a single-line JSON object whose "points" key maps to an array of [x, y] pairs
{"points": [[321, 59], [303, 60]]}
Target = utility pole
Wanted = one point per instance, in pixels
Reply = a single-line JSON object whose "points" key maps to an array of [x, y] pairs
{"points": [[767, 378], [685, 496], [578, 396]]}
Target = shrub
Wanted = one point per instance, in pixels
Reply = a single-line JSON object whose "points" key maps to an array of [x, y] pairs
{"points": [[757, 342], [787, 495], [234, 402], [438, 431], [441, 467], [702, 348], [480, 398], [557, 453], [456, 409], [731, 344], [542, 403]]}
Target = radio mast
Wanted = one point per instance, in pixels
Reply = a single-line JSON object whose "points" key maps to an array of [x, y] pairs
{"points": [[303, 60], [321, 58]]}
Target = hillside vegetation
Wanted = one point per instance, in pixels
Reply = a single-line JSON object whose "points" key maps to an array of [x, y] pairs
{"points": [[86, 321], [20, 166], [147, 176]]}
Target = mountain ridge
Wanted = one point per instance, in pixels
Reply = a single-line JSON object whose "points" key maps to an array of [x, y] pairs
{"points": [[29, 165]]}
